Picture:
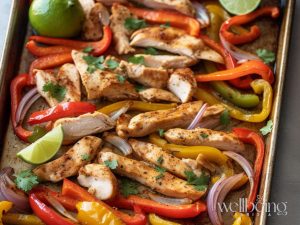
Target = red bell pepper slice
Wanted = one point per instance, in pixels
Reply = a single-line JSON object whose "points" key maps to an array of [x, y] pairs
{"points": [[39, 51], [74, 191], [66, 109], [254, 32], [191, 25], [149, 206], [45, 213], [247, 68], [99, 47], [251, 137]]}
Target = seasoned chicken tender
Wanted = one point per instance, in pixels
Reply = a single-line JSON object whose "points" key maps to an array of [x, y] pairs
{"points": [[150, 77], [67, 77], [156, 155], [111, 2], [69, 163], [120, 34], [86, 124], [146, 123], [183, 84], [99, 180], [165, 183], [100, 83], [167, 61], [202, 136], [158, 95], [183, 6], [176, 41]]}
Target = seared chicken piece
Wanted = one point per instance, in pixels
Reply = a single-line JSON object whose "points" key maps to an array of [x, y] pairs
{"points": [[87, 6], [69, 163], [151, 77], [149, 122], [183, 6], [99, 180], [157, 95], [102, 83], [111, 2], [168, 61], [67, 77], [86, 124], [165, 183], [202, 136], [120, 34], [175, 41], [156, 155], [183, 84]]}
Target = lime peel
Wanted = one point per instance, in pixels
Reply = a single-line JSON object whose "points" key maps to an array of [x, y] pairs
{"points": [[240, 7]]}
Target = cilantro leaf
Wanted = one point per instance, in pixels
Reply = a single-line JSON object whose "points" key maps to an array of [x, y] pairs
{"points": [[112, 64], [161, 132], [94, 63], [268, 128], [200, 182], [85, 157], [121, 78], [112, 164], [160, 160], [88, 49], [161, 172], [139, 87], [203, 135], [26, 180], [266, 55], [151, 51], [38, 132], [137, 60], [225, 118], [134, 24], [166, 25], [55, 90], [128, 187]]}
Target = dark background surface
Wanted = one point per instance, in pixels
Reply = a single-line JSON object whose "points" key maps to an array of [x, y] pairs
{"points": [[286, 178]]}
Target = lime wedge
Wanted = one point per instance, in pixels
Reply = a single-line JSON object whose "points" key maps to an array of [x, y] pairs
{"points": [[44, 148], [240, 7]]}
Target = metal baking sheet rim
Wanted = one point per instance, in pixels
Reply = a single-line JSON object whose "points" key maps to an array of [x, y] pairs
{"points": [[10, 64]]}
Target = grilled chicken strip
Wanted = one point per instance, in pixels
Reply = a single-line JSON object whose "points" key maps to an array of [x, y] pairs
{"points": [[183, 6], [175, 41], [151, 77], [183, 84], [156, 155], [111, 2], [67, 77], [149, 122], [158, 95], [102, 83], [168, 184], [120, 34], [99, 180], [167, 61], [86, 124], [69, 163], [202, 136]]}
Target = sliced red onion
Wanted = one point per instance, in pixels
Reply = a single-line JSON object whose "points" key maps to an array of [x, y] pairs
{"points": [[198, 117], [239, 54], [201, 14], [60, 208], [24, 102], [217, 195], [169, 201], [28, 105], [104, 17], [120, 143], [9, 192], [115, 115]]}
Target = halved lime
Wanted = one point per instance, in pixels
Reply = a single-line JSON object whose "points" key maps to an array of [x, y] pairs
{"points": [[44, 148], [240, 7]]}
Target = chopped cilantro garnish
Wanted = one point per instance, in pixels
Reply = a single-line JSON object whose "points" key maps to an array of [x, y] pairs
{"points": [[161, 132], [85, 157], [200, 182], [26, 180], [88, 49], [166, 25], [134, 24], [55, 90], [112, 164], [136, 59], [161, 172], [94, 63], [266, 55], [225, 118], [151, 51], [139, 87], [112, 64], [121, 78], [128, 187], [268, 128], [203, 135], [160, 160]]}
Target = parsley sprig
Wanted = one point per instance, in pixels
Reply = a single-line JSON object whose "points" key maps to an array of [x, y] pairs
{"points": [[55, 90], [112, 164], [128, 187], [134, 24], [266, 55], [199, 182], [26, 180], [161, 172]]}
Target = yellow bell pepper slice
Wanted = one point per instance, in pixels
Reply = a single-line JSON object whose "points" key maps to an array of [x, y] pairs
{"points": [[136, 105], [156, 220], [92, 213], [21, 219], [5, 206], [241, 219], [259, 86]]}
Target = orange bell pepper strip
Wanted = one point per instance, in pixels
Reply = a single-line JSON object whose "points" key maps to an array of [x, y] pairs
{"points": [[247, 68], [191, 25], [99, 47], [251, 137], [39, 51], [254, 32], [74, 191]]}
